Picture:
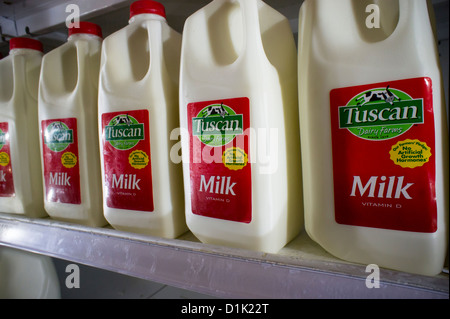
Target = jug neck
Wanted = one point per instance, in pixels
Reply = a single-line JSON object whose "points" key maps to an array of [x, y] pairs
{"points": [[83, 36], [21, 45], [20, 51], [145, 17]]}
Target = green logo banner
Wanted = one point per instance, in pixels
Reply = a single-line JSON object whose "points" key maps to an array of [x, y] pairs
{"points": [[58, 136], [124, 132], [380, 114]]}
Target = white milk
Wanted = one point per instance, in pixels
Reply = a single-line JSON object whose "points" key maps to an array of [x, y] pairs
{"points": [[376, 179], [240, 141], [20, 165], [138, 109], [68, 128]]}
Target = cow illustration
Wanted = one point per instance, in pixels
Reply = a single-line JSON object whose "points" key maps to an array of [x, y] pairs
{"points": [[215, 109], [122, 119], [371, 96], [57, 126]]}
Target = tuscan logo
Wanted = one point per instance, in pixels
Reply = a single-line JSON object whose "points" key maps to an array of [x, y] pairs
{"points": [[380, 114], [58, 136], [2, 139], [124, 132], [217, 125]]}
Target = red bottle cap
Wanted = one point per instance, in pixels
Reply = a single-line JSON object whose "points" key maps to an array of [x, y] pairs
{"points": [[25, 43], [86, 27], [147, 6]]}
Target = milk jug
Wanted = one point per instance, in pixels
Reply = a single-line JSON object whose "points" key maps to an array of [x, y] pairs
{"points": [[240, 138], [138, 110], [20, 166], [27, 275], [68, 128], [374, 135]]}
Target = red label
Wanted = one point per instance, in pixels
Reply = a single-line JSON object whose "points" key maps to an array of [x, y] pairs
{"points": [[6, 176], [383, 145], [61, 161], [220, 168], [126, 156]]}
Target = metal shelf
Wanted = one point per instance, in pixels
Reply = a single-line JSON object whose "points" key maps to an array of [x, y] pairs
{"points": [[300, 270]]}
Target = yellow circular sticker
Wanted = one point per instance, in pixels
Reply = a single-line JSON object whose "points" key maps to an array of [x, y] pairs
{"points": [[69, 159], [4, 159], [410, 153], [138, 159], [234, 158]]}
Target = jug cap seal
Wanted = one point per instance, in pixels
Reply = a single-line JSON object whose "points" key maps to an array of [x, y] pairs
{"points": [[147, 6], [86, 27], [25, 43]]}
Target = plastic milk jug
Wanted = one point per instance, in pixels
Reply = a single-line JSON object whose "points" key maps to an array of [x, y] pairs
{"points": [[138, 109], [20, 166], [238, 103], [27, 275], [68, 94], [374, 135]]}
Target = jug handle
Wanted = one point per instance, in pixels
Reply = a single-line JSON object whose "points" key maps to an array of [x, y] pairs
{"points": [[81, 65], [409, 15], [87, 64], [410, 18], [413, 24], [154, 49], [252, 40]]}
